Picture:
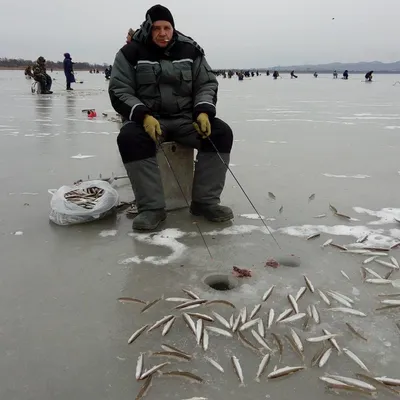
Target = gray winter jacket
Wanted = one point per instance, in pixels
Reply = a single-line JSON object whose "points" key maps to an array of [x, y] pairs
{"points": [[165, 83]]}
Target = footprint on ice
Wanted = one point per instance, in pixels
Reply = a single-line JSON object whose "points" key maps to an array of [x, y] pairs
{"points": [[82, 156]]}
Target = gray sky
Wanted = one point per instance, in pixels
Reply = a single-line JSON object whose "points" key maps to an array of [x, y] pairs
{"points": [[249, 33]]}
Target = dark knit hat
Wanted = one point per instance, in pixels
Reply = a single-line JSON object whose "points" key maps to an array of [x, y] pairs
{"points": [[160, 13]]}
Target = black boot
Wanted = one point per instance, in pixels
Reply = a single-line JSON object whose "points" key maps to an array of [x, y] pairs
{"points": [[212, 212], [148, 220]]}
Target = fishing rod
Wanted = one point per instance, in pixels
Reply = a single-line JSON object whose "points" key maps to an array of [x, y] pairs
{"points": [[183, 194], [244, 192]]}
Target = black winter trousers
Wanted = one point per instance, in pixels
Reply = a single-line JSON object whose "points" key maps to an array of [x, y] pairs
{"points": [[135, 144]]}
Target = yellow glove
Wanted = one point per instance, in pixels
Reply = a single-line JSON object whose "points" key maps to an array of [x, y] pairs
{"points": [[152, 127], [203, 126]]}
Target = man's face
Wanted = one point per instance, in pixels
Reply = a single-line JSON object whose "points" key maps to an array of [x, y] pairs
{"points": [[161, 33], [128, 38]]}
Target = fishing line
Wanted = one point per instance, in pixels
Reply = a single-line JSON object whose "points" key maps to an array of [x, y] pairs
{"points": [[183, 194], [244, 192]]}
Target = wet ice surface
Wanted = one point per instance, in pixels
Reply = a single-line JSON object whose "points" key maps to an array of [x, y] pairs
{"points": [[64, 335]]}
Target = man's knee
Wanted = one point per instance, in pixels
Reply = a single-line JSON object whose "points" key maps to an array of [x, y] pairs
{"points": [[221, 136], [134, 143]]}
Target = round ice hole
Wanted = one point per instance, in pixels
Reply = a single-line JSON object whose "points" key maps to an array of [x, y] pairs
{"points": [[221, 282], [289, 260]]}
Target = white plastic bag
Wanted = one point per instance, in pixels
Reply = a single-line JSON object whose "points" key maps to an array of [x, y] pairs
{"points": [[64, 212]]}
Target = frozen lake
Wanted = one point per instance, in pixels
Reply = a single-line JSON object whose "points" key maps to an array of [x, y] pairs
{"points": [[63, 333]]}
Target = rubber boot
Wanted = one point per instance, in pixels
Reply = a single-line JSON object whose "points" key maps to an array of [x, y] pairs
{"points": [[208, 183], [147, 186]]}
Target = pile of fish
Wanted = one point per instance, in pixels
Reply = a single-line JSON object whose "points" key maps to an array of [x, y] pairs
{"points": [[85, 198], [264, 331]]}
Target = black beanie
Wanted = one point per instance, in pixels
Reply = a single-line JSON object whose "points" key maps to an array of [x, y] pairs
{"points": [[160, 13]]}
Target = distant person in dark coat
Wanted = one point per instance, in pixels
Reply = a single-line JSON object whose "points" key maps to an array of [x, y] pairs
{"points": [[368, 76], [346, 74], [68, 70]]}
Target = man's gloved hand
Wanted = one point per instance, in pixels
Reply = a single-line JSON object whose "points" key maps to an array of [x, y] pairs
{"points": [[152, 127], [203, 126]]}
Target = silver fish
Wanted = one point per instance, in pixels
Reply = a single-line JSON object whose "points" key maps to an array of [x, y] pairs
{"points": [[194, 296], [324, 298], [222, 320], [189, 322], [325, 357], [297, 340], [284, 371], [354, 382], [280, 210], [154, 369], [391, 301], [247, 343], [231, 322], [263, 365], [139, 366], [313, 236], [137, 334], [355, 332], [294, 347], [214, 364], [284, 314], [261, 328], [351, 355], [386, 264], [333, 208], [315, 314], [344, 274], [369, 259], [279, 344], [362, 239], [236, 323], [149, 305], [348, 311], [271, 316], [206, 340], [372, 272], [333, 341], [388, 381], [255, 311], [167, 347], [300, 293], [199, 331], [260, 340], [317, 356], [249, 324], [293, 303], [268, 293], [219, 331], [322, 338], [191, 303], [376, 253], [379, 281], [202, 316], [373, 382], [145, 388], [160, 322], [309, 311], [394, 261], [176, 299], [271, 195], [350, 300], [327, 243], [172, 354], [311, 197], [243, 315], [320, 216], [309, 284], [238, 369], [338, 246], [293, 318], [339, 299], [183, 374], [168, 326]]}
